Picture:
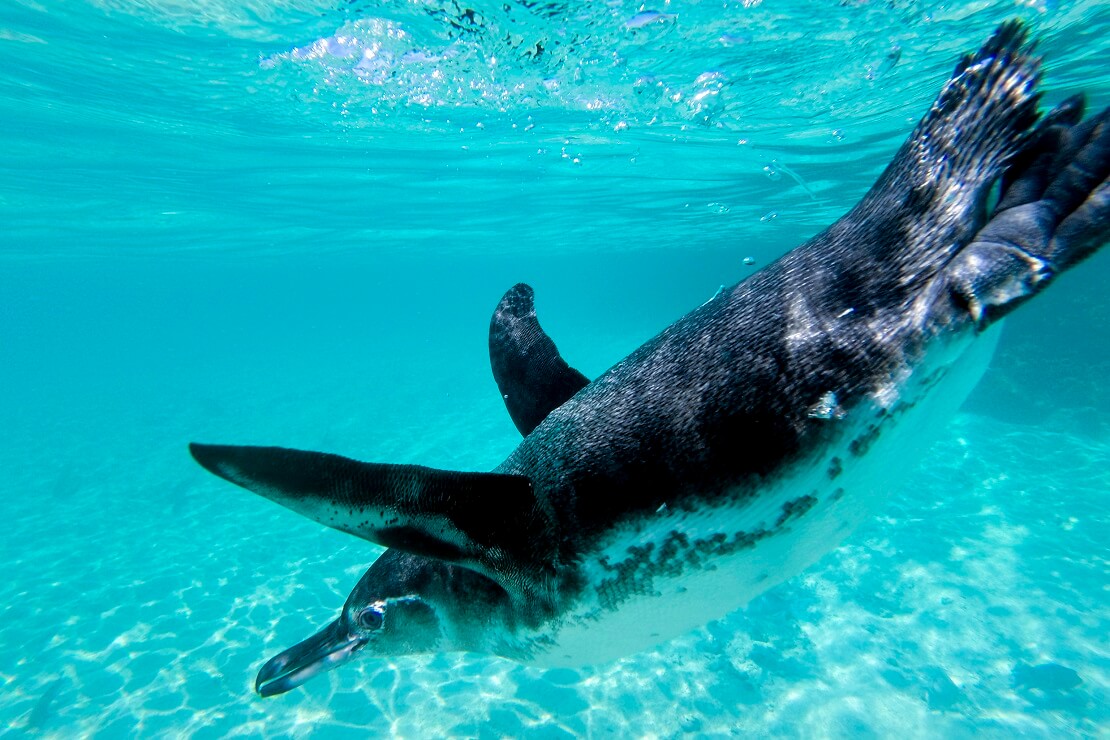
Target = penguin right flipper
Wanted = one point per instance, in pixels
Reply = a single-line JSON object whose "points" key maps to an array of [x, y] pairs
{"points": [[487, 522], [1054, 212], [532, 376]]}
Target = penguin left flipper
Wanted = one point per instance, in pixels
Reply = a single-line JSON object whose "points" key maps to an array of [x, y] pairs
{"points": [[532, 376], [1053, 213], [488, 522]]}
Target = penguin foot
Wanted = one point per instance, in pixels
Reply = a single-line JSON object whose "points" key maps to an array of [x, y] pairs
{"points": [[1054, 212]]}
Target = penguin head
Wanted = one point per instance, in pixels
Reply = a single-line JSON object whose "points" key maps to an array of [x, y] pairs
{"points": [[403, 604], [391, 621]]}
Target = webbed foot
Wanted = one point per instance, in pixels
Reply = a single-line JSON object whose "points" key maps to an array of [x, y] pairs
{"points": [[1054, 212]]}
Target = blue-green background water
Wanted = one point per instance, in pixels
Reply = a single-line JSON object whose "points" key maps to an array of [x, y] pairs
{"points": [[288, 222]]}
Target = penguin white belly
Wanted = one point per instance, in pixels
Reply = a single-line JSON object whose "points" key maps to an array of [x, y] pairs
{"points": [[679, 570]]}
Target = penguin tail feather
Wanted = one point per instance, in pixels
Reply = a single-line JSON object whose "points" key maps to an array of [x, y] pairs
{"points": [[931, 199]]}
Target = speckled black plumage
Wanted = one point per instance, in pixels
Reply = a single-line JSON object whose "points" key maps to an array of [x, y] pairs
{"points": [[719, 401]]}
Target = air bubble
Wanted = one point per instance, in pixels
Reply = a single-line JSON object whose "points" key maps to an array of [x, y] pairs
{"points": [[734, 39], [647, 18]]}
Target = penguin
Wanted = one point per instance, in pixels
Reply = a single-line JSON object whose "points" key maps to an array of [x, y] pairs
{"points": [[740, 444]]}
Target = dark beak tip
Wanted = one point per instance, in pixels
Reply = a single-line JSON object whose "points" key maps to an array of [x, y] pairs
{"points": [[265, 691], [267, 686], [267, 681]]}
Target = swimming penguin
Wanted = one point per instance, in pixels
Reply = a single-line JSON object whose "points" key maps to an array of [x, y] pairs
{"points": [[743, 442]]}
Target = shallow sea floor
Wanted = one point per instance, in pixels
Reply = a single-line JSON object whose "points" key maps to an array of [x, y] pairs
{"points": [[286, 222], [975, 605]]}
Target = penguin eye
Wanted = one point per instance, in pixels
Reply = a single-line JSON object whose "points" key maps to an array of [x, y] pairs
{"points": [[370, 618]]}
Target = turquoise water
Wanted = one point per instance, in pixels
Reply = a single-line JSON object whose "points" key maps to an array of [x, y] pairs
{"points": [[288, 223]]}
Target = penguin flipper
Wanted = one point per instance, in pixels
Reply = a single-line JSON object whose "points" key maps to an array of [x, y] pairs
{"points": [[487, 522], [1054, 212], [532, 376]]}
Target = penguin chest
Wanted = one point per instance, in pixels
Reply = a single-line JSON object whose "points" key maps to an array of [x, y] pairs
{"points": [[660, 576]]}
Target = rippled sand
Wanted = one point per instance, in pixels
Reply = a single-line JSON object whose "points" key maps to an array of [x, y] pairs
{"points": [[976, 604]]}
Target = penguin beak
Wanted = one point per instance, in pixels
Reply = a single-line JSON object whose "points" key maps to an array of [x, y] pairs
{"points": [[327, 649]]}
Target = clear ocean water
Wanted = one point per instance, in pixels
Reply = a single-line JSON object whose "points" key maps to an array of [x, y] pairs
{"points": [[287, 222]]}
